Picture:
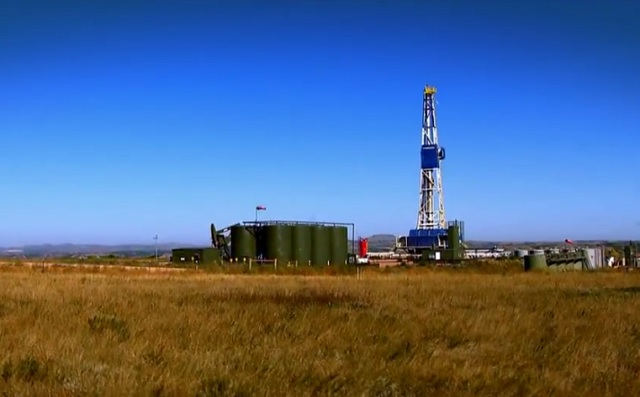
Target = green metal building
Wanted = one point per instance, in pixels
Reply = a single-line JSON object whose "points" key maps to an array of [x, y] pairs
{"points": [[196, 256]]}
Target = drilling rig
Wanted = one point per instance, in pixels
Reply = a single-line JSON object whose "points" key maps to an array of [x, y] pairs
{"points": [[432, 233]]}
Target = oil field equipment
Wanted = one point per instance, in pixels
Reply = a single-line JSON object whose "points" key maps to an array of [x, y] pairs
{"points": [[631, 255], [244, 242], [215, 254], [535, 261], [363, 247], [579, 259], [285, 242], [432, 229], [196, 256]]}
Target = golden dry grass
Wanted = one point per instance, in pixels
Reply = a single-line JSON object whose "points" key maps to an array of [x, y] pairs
{"points": [[439, 333]]}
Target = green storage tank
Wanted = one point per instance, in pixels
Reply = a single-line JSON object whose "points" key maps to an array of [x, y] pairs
{"points": [[339, 245], [301, 244], [243, 242], [535, 262], [277, 243], [628, 255], [453, 240], [320, 245]]}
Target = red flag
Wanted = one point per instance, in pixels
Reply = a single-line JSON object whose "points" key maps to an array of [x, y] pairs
{"points": [[568, 241], [261, 208]]}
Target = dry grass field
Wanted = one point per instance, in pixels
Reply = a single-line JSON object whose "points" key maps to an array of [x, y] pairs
{"points": [[397, 333]]}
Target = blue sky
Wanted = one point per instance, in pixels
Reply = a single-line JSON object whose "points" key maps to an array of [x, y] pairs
{"points": [[120, 120]]}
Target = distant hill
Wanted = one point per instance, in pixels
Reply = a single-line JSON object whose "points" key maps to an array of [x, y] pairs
{"points": [[90, 249], [381, 242], [377, 243]]}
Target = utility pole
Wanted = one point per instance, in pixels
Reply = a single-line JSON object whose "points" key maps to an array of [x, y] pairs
{"points": [[157, 259]]}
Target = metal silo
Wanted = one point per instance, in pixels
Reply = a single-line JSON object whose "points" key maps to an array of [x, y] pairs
{"points": [[589, 258], [243, 242], [320, 245], [535, 262], [301, 244], [339, 245], [599, 255], [277, 243], [453, 240]]}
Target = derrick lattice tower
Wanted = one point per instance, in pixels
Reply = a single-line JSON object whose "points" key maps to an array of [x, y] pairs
{"points": [[431, 214]]}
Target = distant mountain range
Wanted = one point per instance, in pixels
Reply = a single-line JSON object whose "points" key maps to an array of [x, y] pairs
{"points": [[91, 249], [377, 243]]}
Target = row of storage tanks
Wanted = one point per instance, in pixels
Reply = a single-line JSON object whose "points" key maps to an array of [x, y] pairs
{"points": [[302, 244], [585, 258]]}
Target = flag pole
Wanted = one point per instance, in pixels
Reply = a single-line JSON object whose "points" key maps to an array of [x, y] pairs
{"points": [[259, 208]]}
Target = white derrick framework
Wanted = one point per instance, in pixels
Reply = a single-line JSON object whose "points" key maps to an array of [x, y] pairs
{"points": [[431, 193]]}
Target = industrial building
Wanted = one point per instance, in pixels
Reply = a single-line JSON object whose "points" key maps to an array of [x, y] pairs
{"points": [[285, 243], [196, 256]]}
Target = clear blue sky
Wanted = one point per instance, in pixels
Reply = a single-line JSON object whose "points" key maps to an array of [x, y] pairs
{"points": [[123, 119]]}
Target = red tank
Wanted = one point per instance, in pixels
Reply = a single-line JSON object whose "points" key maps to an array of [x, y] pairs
{"points": [[363, 248]]}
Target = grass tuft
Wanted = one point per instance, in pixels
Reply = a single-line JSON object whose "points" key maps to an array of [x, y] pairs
{"points": [[103, 323]]}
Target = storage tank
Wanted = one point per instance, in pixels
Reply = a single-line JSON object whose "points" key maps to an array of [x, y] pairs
{"points": [[243, 242], [320, 245], [599, 255], [277, 243], [363, 248], [535, 262], [301, 244], [453, 240], [339, 245], [589, 255], [628, 256]]}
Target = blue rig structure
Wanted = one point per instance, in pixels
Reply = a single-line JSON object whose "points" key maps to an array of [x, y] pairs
{"points": [[432, 232]]}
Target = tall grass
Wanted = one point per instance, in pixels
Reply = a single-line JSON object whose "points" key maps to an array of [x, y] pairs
{"points": [[387, 334]]}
